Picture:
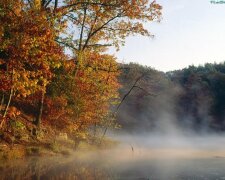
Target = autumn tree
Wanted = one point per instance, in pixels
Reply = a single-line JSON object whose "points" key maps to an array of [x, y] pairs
{"points": [[101, 23], [80, 91], [88, 96], [97, 24], [28, 51]]}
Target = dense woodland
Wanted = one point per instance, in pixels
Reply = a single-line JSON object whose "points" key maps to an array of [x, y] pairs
{"points": [[55, 73], [192, 98]]}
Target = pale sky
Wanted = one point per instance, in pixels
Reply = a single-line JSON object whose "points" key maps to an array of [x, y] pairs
{"points": [[191, 32]]}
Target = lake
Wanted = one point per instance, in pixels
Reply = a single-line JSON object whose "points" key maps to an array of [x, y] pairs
{"points": [[135, 158]]}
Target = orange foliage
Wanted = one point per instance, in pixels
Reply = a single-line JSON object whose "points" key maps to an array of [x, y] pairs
{"points": [[79, 93], [96, 87], [107, 22], [28, 48], [87, 98]]}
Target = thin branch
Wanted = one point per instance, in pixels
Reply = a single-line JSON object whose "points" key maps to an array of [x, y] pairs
{"points": [[90, 3], [42, 3], [56, 4], [148, 93], [73, 18], [127, 94], [93, 25], [82, 27], [29, 3], [46, 5], [101, 27], [102, 69], [66, 44], [99, 45]]}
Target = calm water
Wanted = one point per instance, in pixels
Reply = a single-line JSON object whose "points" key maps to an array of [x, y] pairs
{"points": [[196, 160]]}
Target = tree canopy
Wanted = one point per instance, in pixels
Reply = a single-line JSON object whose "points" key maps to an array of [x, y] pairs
{"points": [[68, 92]]}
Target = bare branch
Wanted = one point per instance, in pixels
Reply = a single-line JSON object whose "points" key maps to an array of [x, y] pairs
{"points": [[66, 44], [127, 94], [102, 69], [29, 3], [56, 4], [90, 3], [99, 45], [82, 27], [101, 27], [47, 3], [42, 3], [148, 93]]}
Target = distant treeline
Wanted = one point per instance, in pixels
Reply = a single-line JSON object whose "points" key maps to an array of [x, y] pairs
{"points": [[192, 98]]}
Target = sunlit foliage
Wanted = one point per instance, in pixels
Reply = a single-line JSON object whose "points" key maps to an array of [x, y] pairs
{"points": [[68, 92]]}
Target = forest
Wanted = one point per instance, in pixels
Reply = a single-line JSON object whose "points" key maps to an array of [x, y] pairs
{"points": [[193, 97], [57, 78]]}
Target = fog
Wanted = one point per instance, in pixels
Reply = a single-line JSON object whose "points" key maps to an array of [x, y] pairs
{"points": [[169, 151], [152, 155], [164, 149], [183, 145]]}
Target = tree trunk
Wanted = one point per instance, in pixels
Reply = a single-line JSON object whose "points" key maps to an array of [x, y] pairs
{"points": [[6, 108], [2, 102], [8, 103], [40, 110]]}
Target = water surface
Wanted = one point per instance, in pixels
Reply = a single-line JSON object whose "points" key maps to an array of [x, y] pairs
{"points": [[133, 159]]}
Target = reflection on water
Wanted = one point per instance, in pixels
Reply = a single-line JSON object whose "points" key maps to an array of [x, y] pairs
{"points": [[60, 168], [141, 162]]}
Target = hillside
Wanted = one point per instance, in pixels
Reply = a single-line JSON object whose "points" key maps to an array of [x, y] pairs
{"points": [[193, 97]]}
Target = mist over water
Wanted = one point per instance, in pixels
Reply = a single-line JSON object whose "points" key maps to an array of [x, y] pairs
{"points": [[165, 155], [166, 151], [148, 155], [170, 151]]}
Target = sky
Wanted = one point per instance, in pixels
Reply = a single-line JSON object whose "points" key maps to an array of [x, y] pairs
{"points": [[192, 32]]}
